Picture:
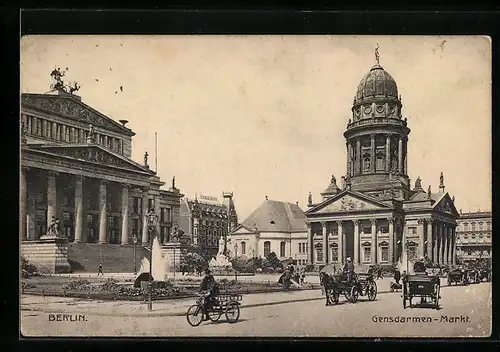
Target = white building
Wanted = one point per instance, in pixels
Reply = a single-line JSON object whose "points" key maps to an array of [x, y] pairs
{"points": [[274, 226]]}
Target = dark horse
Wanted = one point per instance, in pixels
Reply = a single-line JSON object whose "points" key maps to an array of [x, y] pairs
{"points": [[330, 285]]}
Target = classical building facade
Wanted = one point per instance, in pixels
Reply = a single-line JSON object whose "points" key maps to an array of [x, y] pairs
{"points": [[76, 167], [474, 235], [275, 226], [206, 220], [375, 216]]}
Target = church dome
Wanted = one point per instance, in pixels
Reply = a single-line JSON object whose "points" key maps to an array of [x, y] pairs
{"points": [[376, 83]]}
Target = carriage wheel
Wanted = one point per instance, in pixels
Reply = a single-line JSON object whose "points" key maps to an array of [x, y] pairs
{"points": [[372, 291], [347, 295], [354, 294], [194, 315], [232, 312], [215, 314]]}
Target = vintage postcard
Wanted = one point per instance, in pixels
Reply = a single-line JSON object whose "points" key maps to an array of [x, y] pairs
{"points": [[238, 186]]}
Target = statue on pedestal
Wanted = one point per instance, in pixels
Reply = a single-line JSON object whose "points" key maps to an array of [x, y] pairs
{"points": [[146, 159]]}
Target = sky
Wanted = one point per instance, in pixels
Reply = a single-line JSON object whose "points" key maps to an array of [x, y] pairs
{"points": [[265, 115]]}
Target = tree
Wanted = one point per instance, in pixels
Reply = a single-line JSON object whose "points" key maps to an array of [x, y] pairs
{"points": [[273, 261]]}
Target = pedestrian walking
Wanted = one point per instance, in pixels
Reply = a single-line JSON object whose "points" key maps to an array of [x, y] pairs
{"points": [[100, 270]]}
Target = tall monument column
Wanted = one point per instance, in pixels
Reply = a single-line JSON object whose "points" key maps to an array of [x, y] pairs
{"points": [[145, 232], [387, 152], [103, 212], [78, 209], [51, 197], [341, 242], [124, 239], [309, 245], [400, 155], [356, 242], [391, 240], [374, 240], [429, 240], [325, 243]]}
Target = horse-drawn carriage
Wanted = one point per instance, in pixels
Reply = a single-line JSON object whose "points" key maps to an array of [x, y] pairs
{"points": [[223, 303], [458, 276], [339, 284], [423, 286]]}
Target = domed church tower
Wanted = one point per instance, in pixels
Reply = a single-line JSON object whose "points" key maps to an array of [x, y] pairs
{"points": [[377, 138]]}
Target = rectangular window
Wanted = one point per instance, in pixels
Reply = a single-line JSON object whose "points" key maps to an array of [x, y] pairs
{"points": [[319, 255], [282, 249], [335, 254], [488, 226], [39, 127], [367, 254], [385, 254], [136, 206], [412, 230], [473, 227]]}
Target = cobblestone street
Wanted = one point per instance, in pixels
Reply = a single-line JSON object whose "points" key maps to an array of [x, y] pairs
{"points": [[471, 304]]}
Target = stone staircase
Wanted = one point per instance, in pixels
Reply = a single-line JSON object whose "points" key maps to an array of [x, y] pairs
{"points": [[116, 258]]}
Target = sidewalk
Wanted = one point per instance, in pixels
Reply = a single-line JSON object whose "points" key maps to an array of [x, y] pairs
{"points": [[172, 307]]}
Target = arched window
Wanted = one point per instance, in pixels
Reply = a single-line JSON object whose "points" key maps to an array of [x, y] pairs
{"points": [[267, 248], [366, 163], [243, 248], [282, 249], [473, 226]]}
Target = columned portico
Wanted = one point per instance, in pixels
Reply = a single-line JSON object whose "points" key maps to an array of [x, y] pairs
{"points": [[124, 237], [341, 248], [325, 242], [78, 209], [356, 242], [374, 241], [430, 241], [51, 197], [103, 212]]}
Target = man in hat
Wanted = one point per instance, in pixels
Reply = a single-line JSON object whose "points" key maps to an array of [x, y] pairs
{"points": [[349, 269], [209, 286]]}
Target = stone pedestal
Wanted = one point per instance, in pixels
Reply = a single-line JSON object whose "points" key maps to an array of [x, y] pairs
{"points": [[49, 255]]}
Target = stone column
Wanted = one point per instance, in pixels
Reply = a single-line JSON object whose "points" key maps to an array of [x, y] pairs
{"points": [[372, 153], [341, 242], [429, 240], [78, 209], [420, 233], [454, 247], [157, 212], [391, 240], [51, 197], [348, 159], [449, 256], [103, 212], [405, 164], [22, 205], [106, 142], [325, 243], [435, 252], [400, 155], [124, 214], [358, 156], [441, 243], [309, 245], [374, 240], [54, 131], [356, 242], [145, 232], [387, 152]]}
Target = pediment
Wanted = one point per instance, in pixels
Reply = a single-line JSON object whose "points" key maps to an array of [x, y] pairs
{"points": [[93, 154], [445, 204], [347, 202], [73, 109], [242, 230]]}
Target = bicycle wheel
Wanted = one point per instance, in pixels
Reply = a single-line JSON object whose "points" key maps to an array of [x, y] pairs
{"points": [[214, 314], [194, 315], [232, 312]]}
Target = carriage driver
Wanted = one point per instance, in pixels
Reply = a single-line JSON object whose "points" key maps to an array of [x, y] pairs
{"points": [[208, 285], [349, 269]]}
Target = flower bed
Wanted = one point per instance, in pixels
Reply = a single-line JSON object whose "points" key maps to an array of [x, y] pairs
{"points": [[112, 290]]}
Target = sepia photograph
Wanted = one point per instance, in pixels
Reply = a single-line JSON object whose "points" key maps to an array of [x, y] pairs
{"points": [[255, 186]]}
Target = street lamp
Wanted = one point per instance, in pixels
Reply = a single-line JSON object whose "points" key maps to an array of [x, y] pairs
{"points": [[134, 240], [152, 219]]}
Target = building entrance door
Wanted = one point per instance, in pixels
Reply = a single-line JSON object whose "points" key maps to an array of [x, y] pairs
{"points": [[349, 240]]}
